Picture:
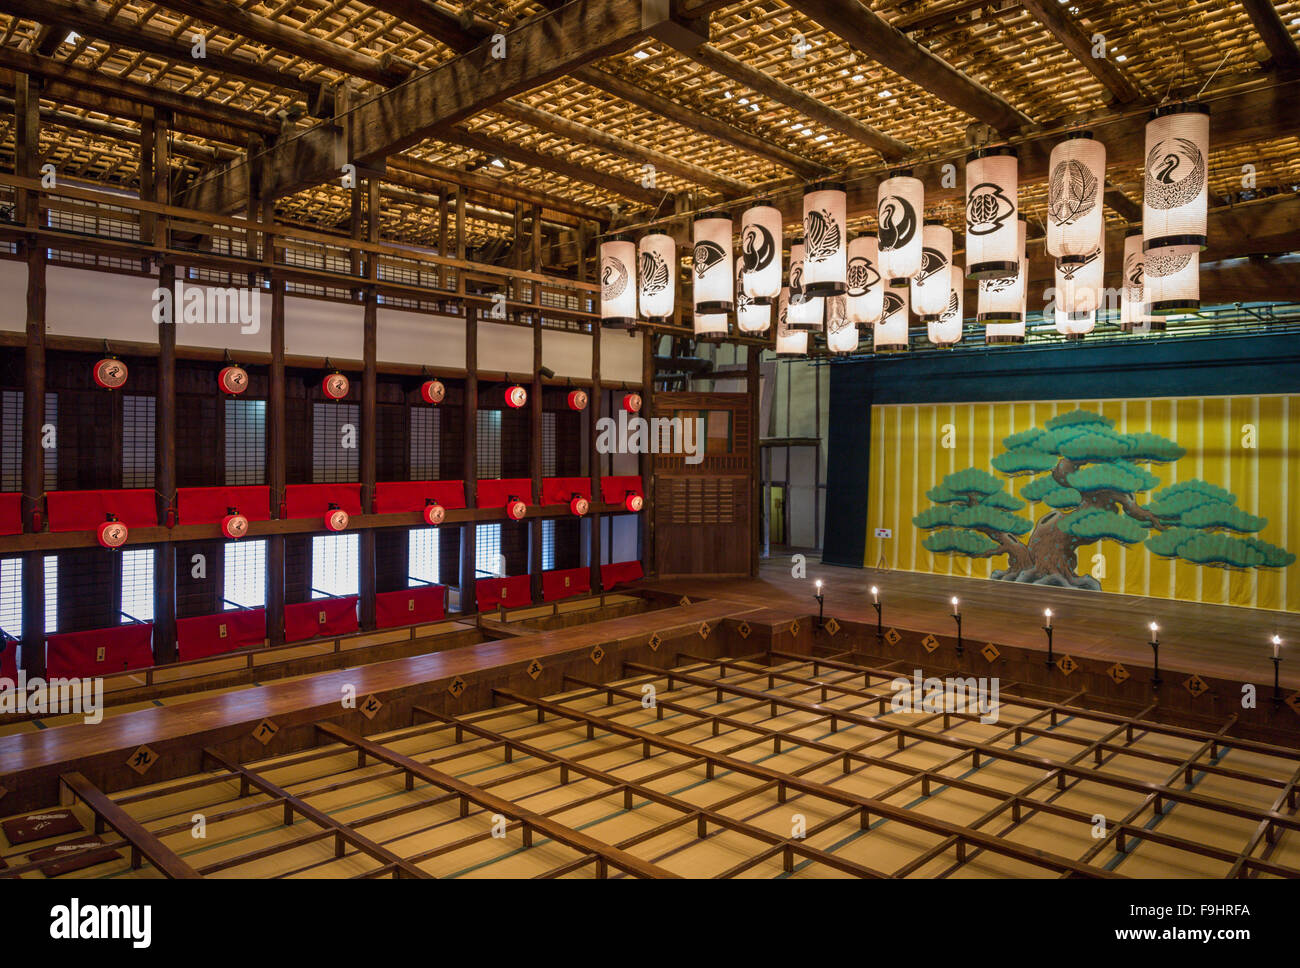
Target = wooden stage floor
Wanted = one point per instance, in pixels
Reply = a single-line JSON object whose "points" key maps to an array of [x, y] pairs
{"points": [[1223, 641]]}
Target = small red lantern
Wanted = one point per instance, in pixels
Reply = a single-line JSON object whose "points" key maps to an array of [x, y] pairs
{"points": [[516, 396], [112, 533], [516, 509], [633, 502], [577, 399], [234, 524], [335, 385], [579, 505], [233, 379], [632, 402], [434, 513], [336, 519], [110, 373], [433, 391]]}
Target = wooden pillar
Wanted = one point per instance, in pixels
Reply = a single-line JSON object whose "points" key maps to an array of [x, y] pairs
{"points": [[275, 443], [752, 352], [593, 455], [155, 148], [645, 463], [535, 414], [369, 408], [468, 602]]}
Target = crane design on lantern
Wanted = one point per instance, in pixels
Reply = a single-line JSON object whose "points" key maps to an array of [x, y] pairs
{"points": [[1091, 478]]}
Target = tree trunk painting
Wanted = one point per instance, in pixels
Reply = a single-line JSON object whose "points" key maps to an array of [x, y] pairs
{"points": [[1089, 477]]}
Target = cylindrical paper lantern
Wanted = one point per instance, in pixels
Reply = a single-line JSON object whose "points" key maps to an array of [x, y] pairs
{"points": [[992, 176], [657, 275], [1001, 305], [710, 325], [890, 334], [434, 513], [1079, 282], [945, 329], [795, 274], [335, 385], [841, 332], [789, 342], [1075, 325], [579, 505], [632, 402], [516, 396], [751, 316], [112, 534], [336, 519], [110, 373], [234, 525], [866, 294], [825, 258], [1175, 192], [900, 206], [233, 379], [1172, 278], [516, 509], [713, 271], [433, 391], [932, 284], [760, 253], [618, 282], [577, 399], [1134, 317], [1074, 191]]}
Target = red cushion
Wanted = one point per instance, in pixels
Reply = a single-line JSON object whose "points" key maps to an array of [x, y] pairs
{"points": [[560, 490], [410, 606], [313, 500], [613, 490], [565, 583], [208, 505], [620, 573], [394, 497], [510, 592], [321, 617], [11, 513], [495, 493], [99, 652], [87, 510], [205, 635]]}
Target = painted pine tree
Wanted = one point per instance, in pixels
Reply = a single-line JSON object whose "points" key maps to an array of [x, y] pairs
{"points": [[1089, 478]]}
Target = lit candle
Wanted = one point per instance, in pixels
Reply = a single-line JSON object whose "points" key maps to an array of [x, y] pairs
{"points": [[1277, 644], [1155, 636], [954, 605], [875, 593], [1047, 613], [819, 586]]}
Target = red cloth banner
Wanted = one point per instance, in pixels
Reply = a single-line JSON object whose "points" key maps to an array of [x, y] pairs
{"points": [[565, 583], [87, 510], [510, 592], [494, 494], [560, 490], [410, 606], [9, 660], [11, 513], [322, 617], [395, 497], [620, 573], [99, 652], [313, 500], [206, 635], [207, 505], [614, 489]]}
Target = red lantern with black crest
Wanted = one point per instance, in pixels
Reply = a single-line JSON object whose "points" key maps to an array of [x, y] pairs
{"points": [[632, 402], [112, 533], [233, 379], [335, 385], [336, 519], [433, 391], [633, 502], [110, 373], [434, 513], [577, 399], [579, 505], [516, 509], [516, 396]]}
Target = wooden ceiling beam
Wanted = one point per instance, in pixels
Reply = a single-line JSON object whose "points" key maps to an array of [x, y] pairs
{"points": [[1060, 25], [498, 187], [1273, 32], [867, 33], [725, 64], [1122, 205]]}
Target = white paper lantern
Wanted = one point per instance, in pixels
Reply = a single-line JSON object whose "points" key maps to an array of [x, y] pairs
{"points": [[1080, 281], [825, 239], [1075, 186], [710, 325], [945, 329], [1003, 303], [657, 276], [618, 282], [1075, 325], [713, 272], [866, 292], [890, 333], [932, 284], [1175, 191], [900, 207], [789, 342], [760, 253], [841, 332], [1134, 317], [805, 312], [992, 176], [795, 276], [751, 316], [1172, 279]]}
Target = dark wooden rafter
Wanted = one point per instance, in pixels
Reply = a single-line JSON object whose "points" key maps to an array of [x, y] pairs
{"points": [[1273, 32], [869, 34], [1122, 205], [494, 186], [1063, 27]]}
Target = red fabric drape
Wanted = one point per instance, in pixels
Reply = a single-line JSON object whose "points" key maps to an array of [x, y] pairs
{"points": [[565, 583], [205, 635], [614, 489], [321, 617], [410, 606], [620, 573], [87, 510], [395, 497], [313, 500], [99, 652], [560, 490], [208, 505], [495, 493], [510, 592], [11, 513]]}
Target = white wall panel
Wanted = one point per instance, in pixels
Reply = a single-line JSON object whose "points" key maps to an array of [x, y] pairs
{"points": [[316, 327], [505, 347], [620, 356], [13, 296], [98, 305], [420, 338]]}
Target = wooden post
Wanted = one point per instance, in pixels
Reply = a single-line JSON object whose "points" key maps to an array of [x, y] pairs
{"points": [[593, 455], [27, 119], [164, 629], [645, 463], [468, 601], [275, 442], [535, 414], [752, 378], [369, 409]]}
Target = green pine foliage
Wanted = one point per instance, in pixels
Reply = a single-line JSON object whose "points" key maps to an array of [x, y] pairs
{"points": [[951, 541]]}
